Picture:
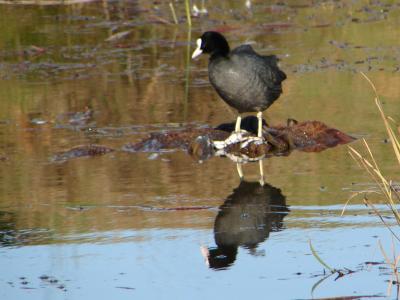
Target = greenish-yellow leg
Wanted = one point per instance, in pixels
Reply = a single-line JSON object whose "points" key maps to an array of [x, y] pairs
{"points": [[238, 121], [259, 117], [239, 170], [260, 162]]}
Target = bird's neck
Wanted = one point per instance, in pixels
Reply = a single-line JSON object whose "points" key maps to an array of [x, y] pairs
{"points": [[219, 54], [221, 51]]}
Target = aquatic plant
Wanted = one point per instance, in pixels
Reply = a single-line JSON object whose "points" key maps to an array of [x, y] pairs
{"points": [[391, 196], [386, 186], [188, 16]]}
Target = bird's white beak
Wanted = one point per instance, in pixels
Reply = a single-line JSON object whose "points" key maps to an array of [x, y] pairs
{"points": [[198, 51]]}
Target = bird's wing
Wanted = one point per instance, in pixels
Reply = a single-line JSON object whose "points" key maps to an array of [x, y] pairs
{"points": [[272, 62], [266, 66], [247, 49]]}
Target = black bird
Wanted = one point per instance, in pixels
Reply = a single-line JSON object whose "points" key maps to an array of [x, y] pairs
{"points": [[245, 80]]}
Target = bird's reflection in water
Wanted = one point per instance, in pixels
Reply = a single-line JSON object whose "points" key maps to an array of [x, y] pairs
{"points": [[245, 219], [8, 234]]}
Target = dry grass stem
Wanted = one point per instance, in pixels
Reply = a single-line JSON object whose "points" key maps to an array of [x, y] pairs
{"points": [[386, 187], [171, 6], [394, 263], [370, 165], [188, 16]]}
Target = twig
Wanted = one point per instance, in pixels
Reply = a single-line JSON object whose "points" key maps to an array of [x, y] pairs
{"points": [[171, 6]]}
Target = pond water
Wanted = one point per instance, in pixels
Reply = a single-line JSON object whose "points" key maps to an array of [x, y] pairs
{"points": [[146, 226]]}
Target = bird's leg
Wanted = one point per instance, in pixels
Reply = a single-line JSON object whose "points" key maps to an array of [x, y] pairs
{"points": [[237, 126], [259, 117], [260, 163], [239, 170]]}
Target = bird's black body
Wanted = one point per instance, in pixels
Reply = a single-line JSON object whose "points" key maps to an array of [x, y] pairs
{"points": [[245, 80]]}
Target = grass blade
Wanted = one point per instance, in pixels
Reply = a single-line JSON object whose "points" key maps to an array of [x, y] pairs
{"points": [[315, 254], [171, 6]]}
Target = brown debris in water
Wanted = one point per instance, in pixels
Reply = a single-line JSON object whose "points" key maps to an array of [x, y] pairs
{"points": [[251, 150], [159, 141], [82, 151], [308, 136]]}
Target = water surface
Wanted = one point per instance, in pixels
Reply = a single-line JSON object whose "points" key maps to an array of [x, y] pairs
{"points": [[129, 225]]}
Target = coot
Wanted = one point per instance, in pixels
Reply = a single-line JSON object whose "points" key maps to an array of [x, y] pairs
{"points": [[245, 80]]}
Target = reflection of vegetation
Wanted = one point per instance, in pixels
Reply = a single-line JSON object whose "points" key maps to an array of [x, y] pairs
{"points": [[187, 75]]}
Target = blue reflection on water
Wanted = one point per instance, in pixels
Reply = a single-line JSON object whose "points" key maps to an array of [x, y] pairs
{"points": [[168, 264]]}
